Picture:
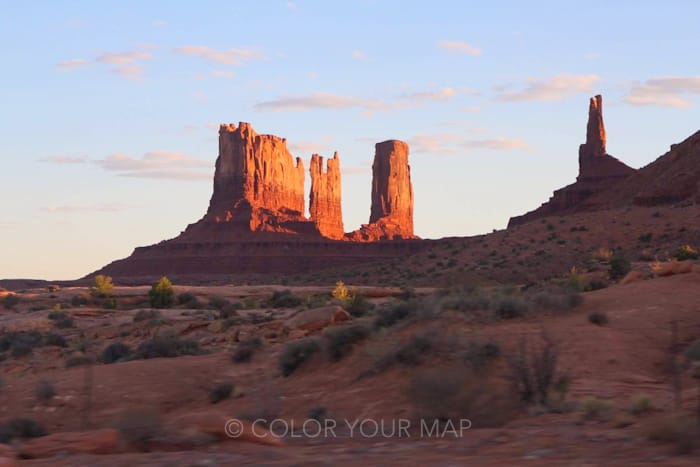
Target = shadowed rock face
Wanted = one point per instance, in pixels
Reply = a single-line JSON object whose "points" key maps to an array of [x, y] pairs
{"points": [[256, 177], [324, 200], [598, 172], [391, 216]]}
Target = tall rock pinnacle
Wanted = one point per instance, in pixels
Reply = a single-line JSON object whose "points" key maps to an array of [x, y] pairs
{"points": [[255, 172], [324, 199], [595, 131]]}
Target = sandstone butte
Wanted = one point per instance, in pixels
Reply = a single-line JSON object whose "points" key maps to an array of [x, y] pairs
{"points": [[259, 188], [256, 222], [598, 172]]}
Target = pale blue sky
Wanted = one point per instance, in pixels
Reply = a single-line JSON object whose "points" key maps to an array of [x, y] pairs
{"points": [[109, 109]]}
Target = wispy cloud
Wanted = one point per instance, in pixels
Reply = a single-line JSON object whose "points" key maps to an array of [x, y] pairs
{"points": [[454, 143], [459, 47], [308, 147], [72, 64], [65, 159], [359, 55], [319, 100], [158, 164], [223, 74], [442, 95], [71, 208], [664, 91], [551, 89], [222, 57], [125, 64]]}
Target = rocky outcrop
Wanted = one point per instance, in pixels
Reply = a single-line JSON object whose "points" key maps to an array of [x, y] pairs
{"points": [[324, 199], [391, 215], [598, 172], [257, 183]]}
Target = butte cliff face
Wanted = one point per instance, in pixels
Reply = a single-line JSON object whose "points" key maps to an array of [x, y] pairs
{"points": [[324, 199], [598, 172], [258, 185], [391, 215]]}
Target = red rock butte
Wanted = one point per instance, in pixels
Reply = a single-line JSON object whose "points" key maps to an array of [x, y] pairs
{"points": [[598, 172], [256, 214]]}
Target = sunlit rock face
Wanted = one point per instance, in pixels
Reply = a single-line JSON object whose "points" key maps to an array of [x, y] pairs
{"points": [[324, 199]]}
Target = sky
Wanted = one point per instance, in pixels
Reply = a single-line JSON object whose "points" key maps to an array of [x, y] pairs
{"points": [[109, 111]]}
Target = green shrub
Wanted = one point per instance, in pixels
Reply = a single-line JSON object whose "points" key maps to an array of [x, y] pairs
{"points": [[79, 300], [102, 286], [20, 428], [64, 323], [480, 354], [55, 340], [143, 315], [220, 392], [245, 350], [166, 347], [598, 318], [619, 267], [597, 409], [686, 252], [296, 353], [115, 352], [20, 344], [44, 391], [693, 351], [357, 305], [10, 301], [284, 299], [78, 359], [161, 294], [340, 339], [412, 351], [641, 405], [188, 300], [56, 315], [393, 314]]}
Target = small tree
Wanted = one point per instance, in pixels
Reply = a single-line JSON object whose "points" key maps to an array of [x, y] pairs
{"points": [[340, 292], [162, 294], [102, 286]]}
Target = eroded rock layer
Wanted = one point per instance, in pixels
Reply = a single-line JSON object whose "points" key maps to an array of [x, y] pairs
{"points": [[324, 199]]}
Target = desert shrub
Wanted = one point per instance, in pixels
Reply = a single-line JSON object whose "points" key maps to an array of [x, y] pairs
{"points": [[596, 284], [220, 392], [102, 286], [479, 355], [284, 299], [412, 351], [577, 281], [143, 315], [166, 347], [296, 353], [357, 305], [64, 323], [218, 303], [188, 300], [597, 409], [44, 391], [686, 252], [449, 393], [641, 405], [55, 340], [394, 313], [161, 294], [245, 350], [20, 428], [78, 360], [646, 237], [109, 303], [598, 318], [79, 300], [340, 292], [20, 344], [510, 306], [693, 351], [55, 315], [560, 299], [619, 267], [534, 371], [10, 301], [681, 431], [115, 352], [340, 339], [318, 413], [139, 427]]}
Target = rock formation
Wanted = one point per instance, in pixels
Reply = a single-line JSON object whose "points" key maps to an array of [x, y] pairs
{"points": [[257, 183], [391, 215], [324, 199], [598, 171]]}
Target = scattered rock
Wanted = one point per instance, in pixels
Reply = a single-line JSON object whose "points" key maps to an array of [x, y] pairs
{"points": [[227, 429], [92, 442], [315, 319]]}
